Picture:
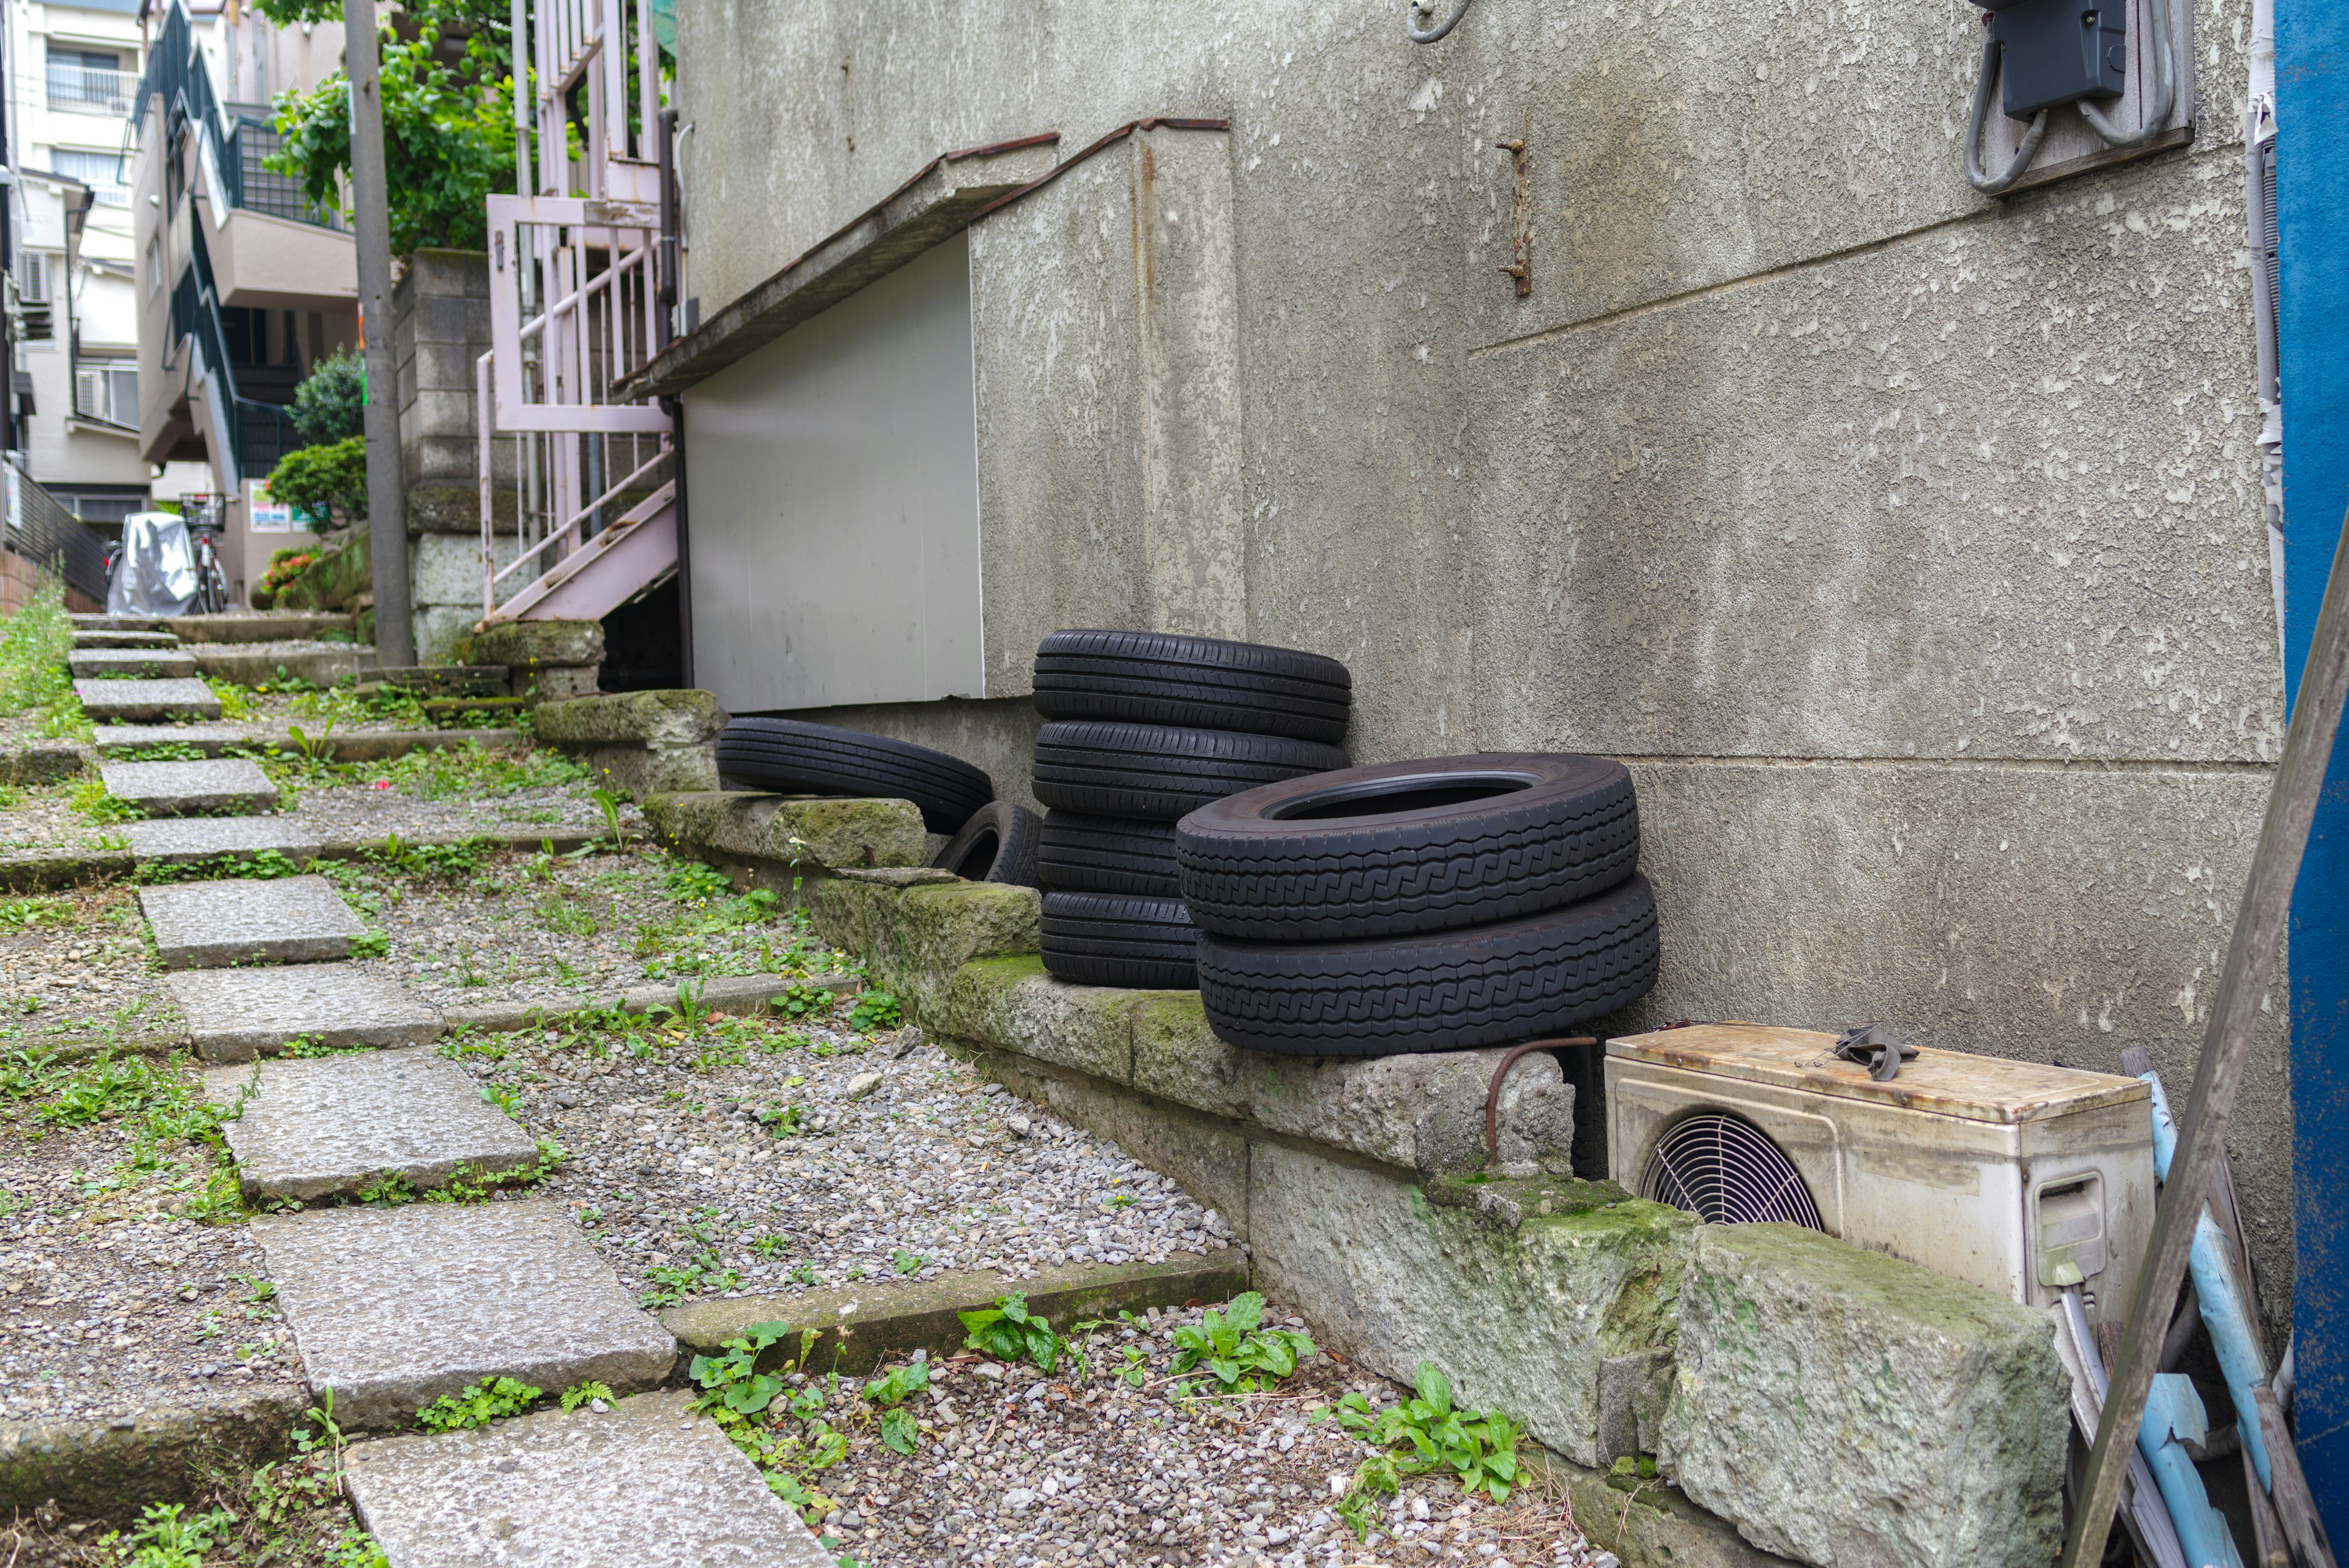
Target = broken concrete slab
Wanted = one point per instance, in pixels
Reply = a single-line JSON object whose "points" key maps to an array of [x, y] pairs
{"points": [[162, 640], [132, 702], [182, 839], [282, 919], [190, 789], [316, 1127], [647, 1484], [236, 1014], [146, 663], [394, 1307], [1847, 1409]]}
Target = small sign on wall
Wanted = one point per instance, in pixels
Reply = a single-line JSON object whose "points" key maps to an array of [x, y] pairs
{"points": [[269, 516]]}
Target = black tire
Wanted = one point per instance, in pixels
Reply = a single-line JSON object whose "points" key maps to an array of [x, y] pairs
{"points": [[1452, 990], [1104, 938], [997, 844], [795, 757], [1427, 845], [1158, 771], [1107, 854], [1200, 682]]}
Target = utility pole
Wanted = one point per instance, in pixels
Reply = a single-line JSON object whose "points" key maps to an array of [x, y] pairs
{"points": [[395, 632]]}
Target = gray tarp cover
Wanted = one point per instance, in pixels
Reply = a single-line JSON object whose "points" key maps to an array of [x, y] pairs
{"points": [[156, 572]]}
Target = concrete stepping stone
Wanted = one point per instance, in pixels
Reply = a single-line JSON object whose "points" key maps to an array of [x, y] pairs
{"points": [[162, 640], [190, 789], [176, 840], [648, 1485], [148, 663], [394, 1307], [99, 622], [236, 1014], [133, 701], [285, 920], [314, 1127], [209, 739]]}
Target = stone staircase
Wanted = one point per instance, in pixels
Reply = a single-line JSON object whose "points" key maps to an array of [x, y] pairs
{"points": [[394, 1306]]}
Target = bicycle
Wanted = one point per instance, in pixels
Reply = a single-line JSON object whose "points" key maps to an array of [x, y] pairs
{"points": [[212, 585]]}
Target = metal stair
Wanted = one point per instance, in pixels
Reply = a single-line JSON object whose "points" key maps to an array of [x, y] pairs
{"points": [[628, 560]]}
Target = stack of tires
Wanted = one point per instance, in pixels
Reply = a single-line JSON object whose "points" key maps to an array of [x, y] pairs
{"points": [[1144, 728], [1426, 906], [987, 840]]}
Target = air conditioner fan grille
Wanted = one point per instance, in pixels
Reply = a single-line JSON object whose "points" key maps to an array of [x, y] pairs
{"points": [[1726, 1170]]}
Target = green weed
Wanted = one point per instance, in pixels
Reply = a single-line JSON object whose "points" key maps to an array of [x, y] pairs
{"points": [[168, 1537], [1426, 1433], [690, 882], [1010, 1332], [486, 1401], [22, 912], [580, 1394], [875, 1010], [91, 801], [1358, 1509], [1237, 1350]]}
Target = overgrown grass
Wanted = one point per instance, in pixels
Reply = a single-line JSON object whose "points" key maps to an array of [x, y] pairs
{"points": [[34, 644], [174, 1131]]}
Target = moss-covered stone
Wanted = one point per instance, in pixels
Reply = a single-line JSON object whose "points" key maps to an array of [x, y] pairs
{"points": [[333, 581], [816, 836], [1849, 1409], [914, 938], [1010, 1004], [108, 1471], [682, 717], [528, 647]]}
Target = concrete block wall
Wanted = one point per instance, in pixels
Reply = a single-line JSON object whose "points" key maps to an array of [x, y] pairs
{"points": [[440, 327], [1906, 544]]}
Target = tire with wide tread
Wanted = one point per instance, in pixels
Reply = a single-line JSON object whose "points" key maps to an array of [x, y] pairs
{"points": [[1252, 871], [997, 844], [795, 757], [1161, 772], [1080, 854], [1108, 938], [1197, 682], [1449, 991]]}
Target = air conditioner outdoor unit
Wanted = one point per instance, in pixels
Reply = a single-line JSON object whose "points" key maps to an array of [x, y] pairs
{"points": [[2022, 1178]]}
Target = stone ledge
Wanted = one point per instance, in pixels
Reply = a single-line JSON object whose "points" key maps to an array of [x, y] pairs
{"points": [[349, 746], [108, 1470], [740, 993], [872, 1325], [639, 742], [807, 835]]}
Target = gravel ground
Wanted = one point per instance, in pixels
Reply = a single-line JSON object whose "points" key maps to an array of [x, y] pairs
{"points": [[757, 1156], [43, 817], [76, 962], [109, 1304], [368, 812], [1019, 1468]]}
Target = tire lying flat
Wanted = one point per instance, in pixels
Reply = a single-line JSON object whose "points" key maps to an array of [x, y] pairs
{"points": [[1197, 682], [795, 757], [1108, 938], [1159, 772], [997, 844], [1450, 991], [1427, 845], [1080, 854]]}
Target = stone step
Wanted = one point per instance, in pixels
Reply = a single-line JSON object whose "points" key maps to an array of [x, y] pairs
{"points": [[262, 663], [162, 640], [258, 625], [179, 840], [311, 1128], [88, 622], [135, 701], [145, 663], [648, 1484], [236, 1014], [190, 789], [343, 745], [244, 920], [394, 1307], [443, 680]]}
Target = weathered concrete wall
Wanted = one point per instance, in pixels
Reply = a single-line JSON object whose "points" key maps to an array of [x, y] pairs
{"points": [[1907, 543]]}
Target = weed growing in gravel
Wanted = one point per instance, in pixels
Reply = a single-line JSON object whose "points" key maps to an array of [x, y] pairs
{"points": [[34, 645], [477, 1405], [804, 1002], [22, 912], [583, 1393], [1426, 1433], [905, 1262], [690, 882], [90, 800], [1375, 1478], [237, 703], [1237, 1350], [263, 866], [789, 1441], [472, 772], [898, 1428], [168, 1537], [568, 917], [1009, 1332], [875, 1010]]}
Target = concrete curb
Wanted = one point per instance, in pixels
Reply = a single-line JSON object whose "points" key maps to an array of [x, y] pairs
{"points": [[42, 873], [1647, 1523], [721, 993], [872, 1323], [108, 1470], [355, 746], [44, 761]]}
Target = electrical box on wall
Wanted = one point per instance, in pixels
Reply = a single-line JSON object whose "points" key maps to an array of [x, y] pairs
{"points": [[2059, 51]]}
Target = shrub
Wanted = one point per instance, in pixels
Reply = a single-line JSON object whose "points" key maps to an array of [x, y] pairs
{"points": [[327, 481], [330, 405]]}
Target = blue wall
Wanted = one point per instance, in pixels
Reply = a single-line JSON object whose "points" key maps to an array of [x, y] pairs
{"points": [[2313, 214]]}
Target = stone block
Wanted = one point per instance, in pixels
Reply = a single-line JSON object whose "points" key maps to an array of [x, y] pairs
{"points": [[816, 834], [534, 645], [311, 1128], [146, 663], [235, 1015], [1519, 1308], [914, 938], [249, 626], [157, 639], [442, 631], [1010, 1004], [190, 789], [446, 568], [257, 664], [285, 920], [130, 701], [559, 683], [43, 761], [675, 718], [1850, 1409], [394, 1307], [647, 1484], [177, 840]]}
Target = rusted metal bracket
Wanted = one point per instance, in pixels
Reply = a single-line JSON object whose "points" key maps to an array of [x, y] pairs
{"points": [[1521, 217], [1500, 1074]]}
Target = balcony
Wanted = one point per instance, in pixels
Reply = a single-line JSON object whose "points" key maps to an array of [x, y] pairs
{"points": [[86, 89]]}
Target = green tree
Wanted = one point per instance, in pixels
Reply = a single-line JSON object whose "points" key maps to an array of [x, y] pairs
{"points": [[330, 405], [327, 481]]}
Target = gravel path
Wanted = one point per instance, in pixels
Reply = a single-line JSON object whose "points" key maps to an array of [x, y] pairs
{"points": [[77, 963]]}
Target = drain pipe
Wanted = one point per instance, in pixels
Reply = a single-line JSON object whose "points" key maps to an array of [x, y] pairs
{"points": [[2260, 212]]}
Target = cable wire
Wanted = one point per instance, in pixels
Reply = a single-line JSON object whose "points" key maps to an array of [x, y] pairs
{"points": [[1413, 9]]}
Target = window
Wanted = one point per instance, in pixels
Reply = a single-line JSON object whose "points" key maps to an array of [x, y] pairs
{"points": [[90, 81], [101, 172], [108, 389]]}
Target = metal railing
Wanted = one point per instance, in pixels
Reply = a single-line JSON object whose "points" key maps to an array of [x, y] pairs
{"points": [[87, 89], [41, 530], [257, 433], [255, 189]]}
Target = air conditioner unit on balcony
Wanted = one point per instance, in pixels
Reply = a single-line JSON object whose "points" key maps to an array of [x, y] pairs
{"points": [[2018, 1177]]}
